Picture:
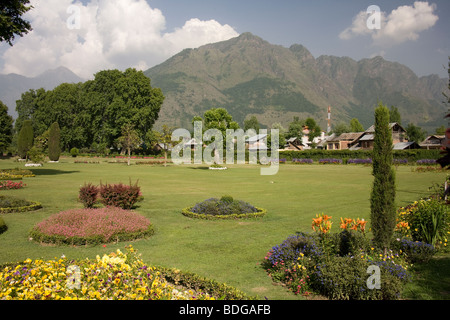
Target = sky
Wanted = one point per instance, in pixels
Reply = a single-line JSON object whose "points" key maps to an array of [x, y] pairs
{"points": [[87, 36]]}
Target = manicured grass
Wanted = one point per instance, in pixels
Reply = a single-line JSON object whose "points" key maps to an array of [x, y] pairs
{"points": [[226, 251]]}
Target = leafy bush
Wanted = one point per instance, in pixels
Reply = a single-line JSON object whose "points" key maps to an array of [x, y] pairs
{"points": [[74, 152], [120, 195], [88, 195], [92, 226], [415, 251], [3, 226], [335, 265], [425, 220]]}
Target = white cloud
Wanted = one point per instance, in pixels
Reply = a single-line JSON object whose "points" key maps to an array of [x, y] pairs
{"points": [[402, 24], [112, 34]]}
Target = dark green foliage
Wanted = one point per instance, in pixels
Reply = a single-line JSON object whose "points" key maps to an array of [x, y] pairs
{"points": [[3, 226], [25, 140], [74, 152], [382, 199], [5, 128], [93, 112], [11, 22], [54, 147]]}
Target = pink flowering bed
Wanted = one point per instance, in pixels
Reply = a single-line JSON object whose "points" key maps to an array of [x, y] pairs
{"points": [[8, 185], [92, 226]]}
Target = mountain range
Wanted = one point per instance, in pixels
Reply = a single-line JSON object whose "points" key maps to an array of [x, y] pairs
{"points": [[249, 76], [13, 85]]}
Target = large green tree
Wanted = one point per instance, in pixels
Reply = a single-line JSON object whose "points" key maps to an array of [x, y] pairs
{"points": [[129, 140], [295, 129], [11, 22], [382, 199], [6, 128], [356, 126], [415, 133], [92, 114]]}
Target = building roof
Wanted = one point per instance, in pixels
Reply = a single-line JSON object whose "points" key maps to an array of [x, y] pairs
{"points": [[404, 145], [256, 138], [391, 125], [348, 136]]}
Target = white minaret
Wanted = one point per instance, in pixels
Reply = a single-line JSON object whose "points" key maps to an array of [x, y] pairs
{"points": [[329, 120]]}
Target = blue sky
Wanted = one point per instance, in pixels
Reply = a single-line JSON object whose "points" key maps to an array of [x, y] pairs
{"points": [[143, 33]]}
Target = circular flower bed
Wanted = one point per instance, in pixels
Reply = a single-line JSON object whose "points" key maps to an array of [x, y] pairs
{"points": [[92, 226], [223, 208], [11, 204]]}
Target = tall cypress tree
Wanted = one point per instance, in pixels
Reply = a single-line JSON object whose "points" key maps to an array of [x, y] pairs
{"points": [[25, 139], [382, 200], [6, 122], [54, 143]]}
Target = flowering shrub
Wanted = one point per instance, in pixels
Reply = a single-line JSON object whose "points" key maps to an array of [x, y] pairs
{"points": [[322, 223], [15, 174], [117, 276], [92, 226], [120, 195], [426, 221], [335, 265], [223, 208], [302, 161], [8, 185], [426, 161], [399, 161], [359, 161], [330, 161]]}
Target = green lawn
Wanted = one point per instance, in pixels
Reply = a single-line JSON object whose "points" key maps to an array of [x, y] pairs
{"points": [[227, 251]]}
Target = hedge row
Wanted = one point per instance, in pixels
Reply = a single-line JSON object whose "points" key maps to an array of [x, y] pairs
{"points": [[188, 213], [316, 154]]}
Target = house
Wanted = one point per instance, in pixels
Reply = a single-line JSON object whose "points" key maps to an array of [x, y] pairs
{"points": [[294, 144], [343, 141], [258, 142], [366, 140], [433, 142]]}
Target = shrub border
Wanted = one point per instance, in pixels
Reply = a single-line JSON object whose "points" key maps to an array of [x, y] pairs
{"points": [[188, 213], [43, 238], [34, 205]]}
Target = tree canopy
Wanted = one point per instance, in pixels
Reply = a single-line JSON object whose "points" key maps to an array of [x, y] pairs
{"points": [[94, 112], [11, 22]]}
